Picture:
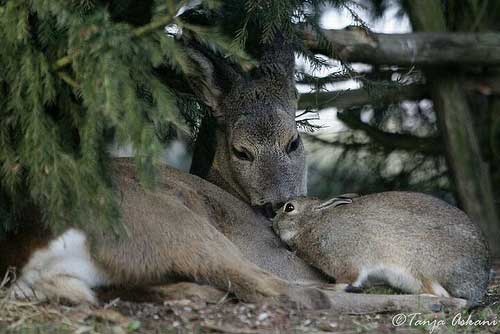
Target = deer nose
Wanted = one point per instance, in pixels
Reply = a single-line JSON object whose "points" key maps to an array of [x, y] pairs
{"points": [[278, 206], [268, 211]]}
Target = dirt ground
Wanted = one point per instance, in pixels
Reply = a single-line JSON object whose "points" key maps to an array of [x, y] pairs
{"points": [[211, 311]]}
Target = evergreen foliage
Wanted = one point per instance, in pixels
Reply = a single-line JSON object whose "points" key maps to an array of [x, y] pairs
{"points": [[73, 79], [53, 135], [78, 75]]}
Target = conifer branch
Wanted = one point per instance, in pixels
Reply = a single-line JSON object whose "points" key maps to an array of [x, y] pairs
{"points": [[152, 26], [64, 61], [138, 32], [69, 80], [430, 145]]}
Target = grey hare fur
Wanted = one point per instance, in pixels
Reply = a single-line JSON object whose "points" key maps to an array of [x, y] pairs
{"points": [[411, 241]]}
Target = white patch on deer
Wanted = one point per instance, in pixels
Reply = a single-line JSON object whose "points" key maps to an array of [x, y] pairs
{"points": [[64, 269]]}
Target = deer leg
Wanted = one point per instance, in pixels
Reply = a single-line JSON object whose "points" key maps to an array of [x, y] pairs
{"points": [[227, 269], [63, 270]]}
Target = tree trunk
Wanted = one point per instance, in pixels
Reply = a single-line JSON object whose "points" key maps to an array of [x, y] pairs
{"points": [[470, 173]]}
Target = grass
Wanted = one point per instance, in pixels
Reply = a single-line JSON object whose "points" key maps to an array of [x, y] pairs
{"points": [[195, 315], [29, 317]]}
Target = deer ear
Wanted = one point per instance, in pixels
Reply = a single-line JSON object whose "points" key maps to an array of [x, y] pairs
{"points": [[277, 67], [278, 58], [215, 80], [336, 201], [205, 86]]}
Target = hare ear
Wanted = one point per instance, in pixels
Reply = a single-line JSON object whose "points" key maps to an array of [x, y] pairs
{"points": [[336, 201]]}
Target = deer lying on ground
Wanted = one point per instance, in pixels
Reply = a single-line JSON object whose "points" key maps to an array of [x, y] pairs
{"points": [[175, 231], [172, 236]]}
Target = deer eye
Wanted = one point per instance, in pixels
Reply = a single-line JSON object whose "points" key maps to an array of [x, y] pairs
{"points": [[289, 207], [242, 154], [293, 145]]}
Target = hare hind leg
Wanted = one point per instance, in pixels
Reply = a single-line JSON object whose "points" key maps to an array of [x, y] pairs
{"points": [[433, 288], [403, 280], [394, 276]]}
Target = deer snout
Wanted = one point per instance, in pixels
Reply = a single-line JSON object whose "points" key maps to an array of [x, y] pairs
{"points": [[268, 211], [270, 208]]}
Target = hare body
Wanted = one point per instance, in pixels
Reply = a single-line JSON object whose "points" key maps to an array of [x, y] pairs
{"points": [[411, 241]]}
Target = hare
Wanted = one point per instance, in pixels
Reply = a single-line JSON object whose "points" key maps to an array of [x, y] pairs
{"points": [[410, 241]]}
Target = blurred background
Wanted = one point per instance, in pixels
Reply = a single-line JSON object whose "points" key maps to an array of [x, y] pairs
{"points": [[345, 155]]}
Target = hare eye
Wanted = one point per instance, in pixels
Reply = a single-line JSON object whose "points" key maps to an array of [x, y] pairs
{"points": [[289, 207]]}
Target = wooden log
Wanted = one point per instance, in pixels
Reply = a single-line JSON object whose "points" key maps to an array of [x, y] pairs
{"points": [[341, 302], [359, 97], [354, 303], [419, 48], [344, 99]]}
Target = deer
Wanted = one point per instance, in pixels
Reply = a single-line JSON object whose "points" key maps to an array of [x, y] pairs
{"points": [[173, 232], [206, 228]]}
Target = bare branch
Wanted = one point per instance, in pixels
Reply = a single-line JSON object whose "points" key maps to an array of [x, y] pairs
{"points": [[422, 48], [349, 146], [431, 145], [485, 85], [360, 97]]}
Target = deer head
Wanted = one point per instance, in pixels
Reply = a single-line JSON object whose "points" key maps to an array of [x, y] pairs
{"points": [[251, 146]]}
